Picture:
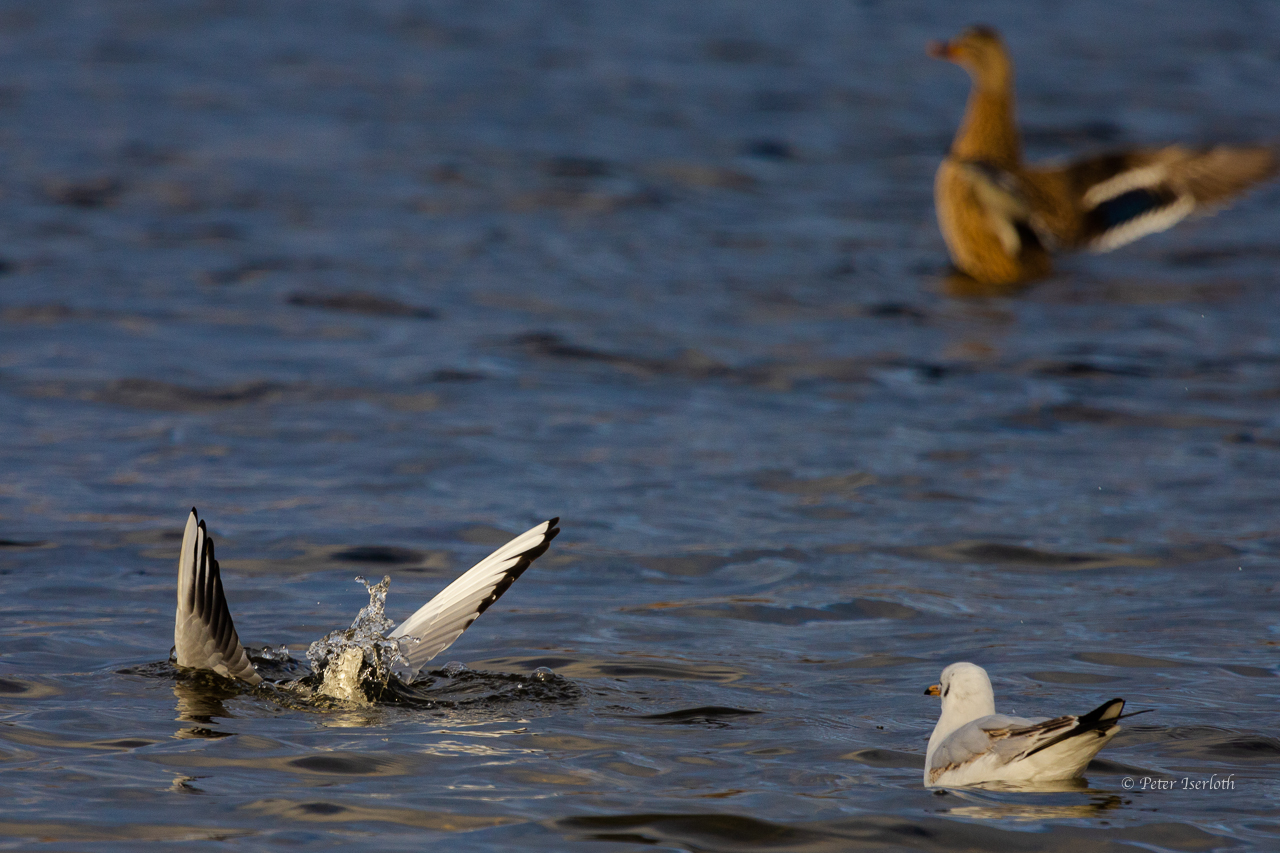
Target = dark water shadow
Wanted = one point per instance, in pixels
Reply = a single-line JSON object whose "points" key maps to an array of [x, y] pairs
{"points": [[1063, 677], [847, 611], [157, 395], [382, 555], [1051, 417], [886, 758], [1216, 745], [1001, 554], [692, 364], [16, 543], [168, 396], [1123, 659], [640, 667], [700, 565], [729, 833], [1019, 556], [18, 688], [710, 716], [359, 302], [327, 811]]}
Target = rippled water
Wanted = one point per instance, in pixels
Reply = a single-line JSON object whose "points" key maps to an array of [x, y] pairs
{"points": [[378, 285]]}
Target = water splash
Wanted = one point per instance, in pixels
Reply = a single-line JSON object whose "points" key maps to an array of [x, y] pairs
{"points": [[280, 655], [357, 662]]}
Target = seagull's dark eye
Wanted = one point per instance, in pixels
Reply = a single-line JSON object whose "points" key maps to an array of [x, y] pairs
{"points": [[945, 691]]}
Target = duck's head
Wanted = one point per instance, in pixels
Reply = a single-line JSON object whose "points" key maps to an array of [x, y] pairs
{"points": [[980, 51]]}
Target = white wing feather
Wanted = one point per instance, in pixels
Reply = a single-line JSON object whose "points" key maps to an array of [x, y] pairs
{"points": [[204, 637], [440, 621]]}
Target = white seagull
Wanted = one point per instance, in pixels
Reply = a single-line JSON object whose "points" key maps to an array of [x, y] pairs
{"points": [[973, 744], [204, 636]]}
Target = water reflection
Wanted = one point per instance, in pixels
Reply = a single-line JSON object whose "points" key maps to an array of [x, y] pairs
{"points": [[201, 701], [1035, 808], [353, 718], [184, 785]]}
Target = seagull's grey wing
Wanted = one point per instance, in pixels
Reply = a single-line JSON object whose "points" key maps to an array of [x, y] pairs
{"points": [[204, 637], [1008, 739], [442, 620], [983, 736]]}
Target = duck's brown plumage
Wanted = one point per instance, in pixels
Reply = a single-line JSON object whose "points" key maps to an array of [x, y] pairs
{"points": [[1001, 218]]}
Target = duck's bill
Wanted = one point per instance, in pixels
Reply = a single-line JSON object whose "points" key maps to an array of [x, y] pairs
{"points": [[933, 690], [939, 50]]}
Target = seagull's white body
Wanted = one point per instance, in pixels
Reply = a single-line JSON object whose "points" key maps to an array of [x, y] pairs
{"points": [[204, 636], [972, 744]]}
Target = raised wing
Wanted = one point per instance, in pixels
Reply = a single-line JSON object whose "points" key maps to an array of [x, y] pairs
{"points": [[1102, 203], [440, 621], [204, 637]]}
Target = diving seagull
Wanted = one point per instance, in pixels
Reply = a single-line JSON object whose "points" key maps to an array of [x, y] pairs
{"points": [[973, 744], [204, 636]]}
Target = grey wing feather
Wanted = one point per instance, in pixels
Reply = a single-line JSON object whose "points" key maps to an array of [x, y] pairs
{"points": [[1014, 738], [440, 621], [990, 734], [204, 637]]}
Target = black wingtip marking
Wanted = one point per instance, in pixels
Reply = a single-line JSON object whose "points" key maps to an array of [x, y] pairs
{"points": [[1098, 721], [513, 574], [1104, 714]]}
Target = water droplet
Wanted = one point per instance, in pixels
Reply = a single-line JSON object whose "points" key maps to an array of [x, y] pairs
{"points": [[280, 654]]}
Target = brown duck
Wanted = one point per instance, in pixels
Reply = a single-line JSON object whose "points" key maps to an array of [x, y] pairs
{"points": [[1000, 218]]}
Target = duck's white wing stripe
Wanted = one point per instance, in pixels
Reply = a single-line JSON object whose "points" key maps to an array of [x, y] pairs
{"points": [[204, 637], [1152, 222], [440, 621]]}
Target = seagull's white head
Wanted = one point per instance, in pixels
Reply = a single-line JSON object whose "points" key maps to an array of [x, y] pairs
{"points": [[966, 696], [965, 688]]}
